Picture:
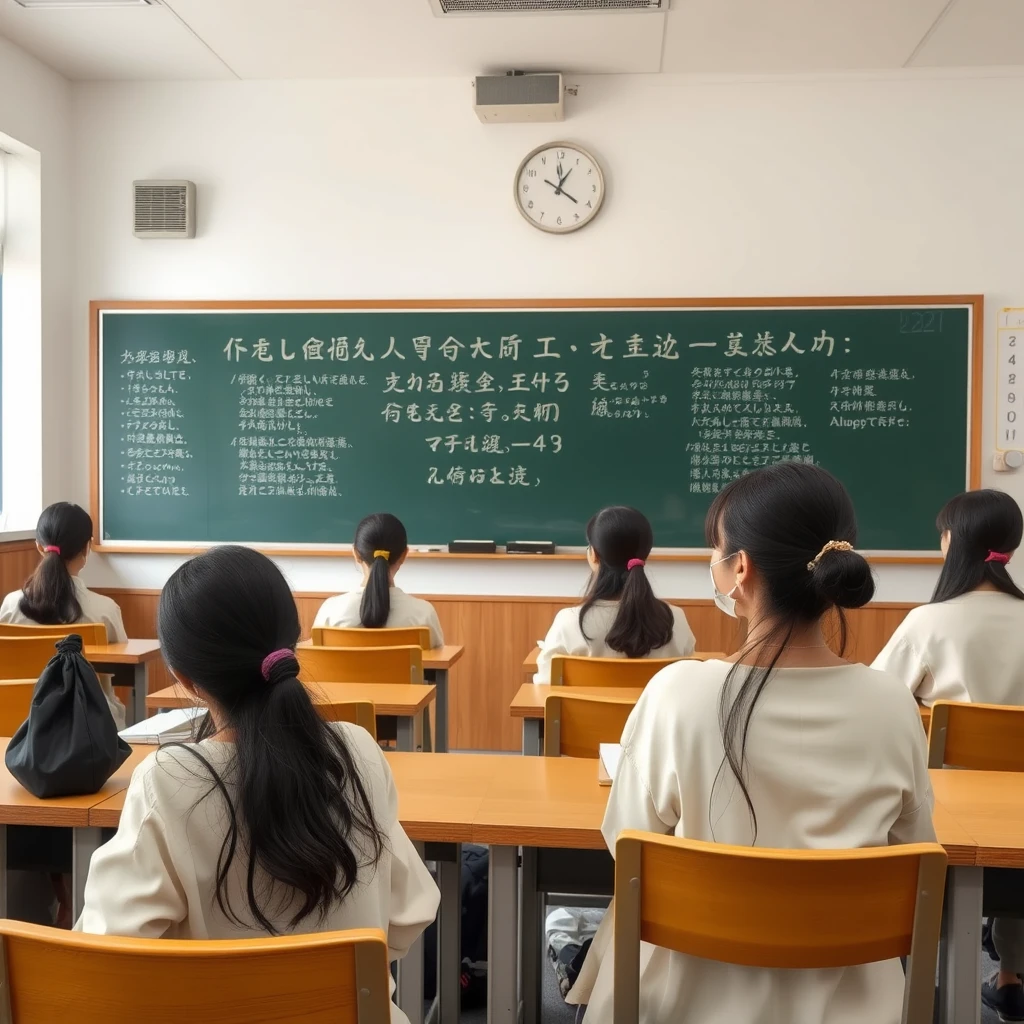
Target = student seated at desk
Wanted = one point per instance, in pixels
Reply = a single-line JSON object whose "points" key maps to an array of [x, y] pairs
{"points": [[620, 617], [310, 805], [769, 749], [379, 550], [967, 644], [55, 594]]}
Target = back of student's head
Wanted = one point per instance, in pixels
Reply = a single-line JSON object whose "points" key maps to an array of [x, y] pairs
{"points": [[984, 529], [785, 517], [380, 542], [228, 624], [63, 532], [621, 538]]}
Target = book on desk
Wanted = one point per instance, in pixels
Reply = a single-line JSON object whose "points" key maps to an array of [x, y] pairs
{"points": [[608, 762]]}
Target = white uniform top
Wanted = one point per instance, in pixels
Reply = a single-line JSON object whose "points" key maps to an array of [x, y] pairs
{"points": [[566, 637], [970, 648], [343, 612], [157, 877], [835, 759], [95, 608]]}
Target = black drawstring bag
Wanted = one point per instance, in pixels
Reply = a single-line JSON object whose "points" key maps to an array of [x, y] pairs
{"points": [[68, 745]]}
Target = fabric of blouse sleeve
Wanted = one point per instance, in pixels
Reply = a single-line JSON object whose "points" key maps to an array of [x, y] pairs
{"points": [[683, 639], [901, 659], [414, 895], [133, 888], [9, 608], [323, 615], [114, 622], [556, 642], [436, 633], [914, 824], [645, 792]]}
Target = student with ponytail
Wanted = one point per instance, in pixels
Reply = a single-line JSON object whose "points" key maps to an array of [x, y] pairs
{"points": [[274, 821], [379, 550], [783, 745], [620, 617]]}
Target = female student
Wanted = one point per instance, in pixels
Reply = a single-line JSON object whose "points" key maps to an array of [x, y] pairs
{"points": [[620, 617], [55, 594], [968, 645], [379, 549], [274, 821], [768, 749]]}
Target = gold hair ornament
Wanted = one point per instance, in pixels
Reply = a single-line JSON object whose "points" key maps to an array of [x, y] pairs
{"points": [[832, 545], [386, 555]]}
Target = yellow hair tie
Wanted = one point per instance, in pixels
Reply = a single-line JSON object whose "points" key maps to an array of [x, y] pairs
{"points": [[832, 545], [386, 555]]}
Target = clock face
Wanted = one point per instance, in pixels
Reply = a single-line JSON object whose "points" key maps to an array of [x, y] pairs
{"points": [[559, 187]]}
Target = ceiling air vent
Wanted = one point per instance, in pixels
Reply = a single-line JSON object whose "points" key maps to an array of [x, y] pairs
{"points": [[445, 7], [164, 209]]}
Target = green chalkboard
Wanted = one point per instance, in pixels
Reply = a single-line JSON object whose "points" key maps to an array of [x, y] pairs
{"points": [[284, 426]]}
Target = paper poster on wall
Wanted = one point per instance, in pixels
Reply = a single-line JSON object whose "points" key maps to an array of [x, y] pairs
{"points": [[1010, 346]]}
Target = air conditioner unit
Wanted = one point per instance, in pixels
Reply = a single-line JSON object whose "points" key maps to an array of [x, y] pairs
{"points": [[164, 209], [510, 99], [444, 8]]}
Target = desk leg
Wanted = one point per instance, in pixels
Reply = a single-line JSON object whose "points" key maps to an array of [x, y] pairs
{"points": [[440, 681], [533, 742], [410, 732], [85, 842], [409, 991], [530, 924], [449, 937], [960, 952], [3, 870], [502, 936]]}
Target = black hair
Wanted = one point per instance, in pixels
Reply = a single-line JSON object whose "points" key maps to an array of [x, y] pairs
{"points": [[783, 516], [300, 812], [979, 523], [642, 623], [380, 542], [48, 596]]}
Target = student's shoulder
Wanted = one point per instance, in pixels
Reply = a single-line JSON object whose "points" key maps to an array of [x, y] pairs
{"points": [[339, 604], [878, 690], [687, 682], [10, 603]]}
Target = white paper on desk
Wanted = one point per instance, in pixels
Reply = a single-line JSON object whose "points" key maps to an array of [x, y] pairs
{"points": [[168, 727], [610, 754]]}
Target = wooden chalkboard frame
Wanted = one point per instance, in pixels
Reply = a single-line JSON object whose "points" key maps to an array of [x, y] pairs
{"points": [[975, 303]]}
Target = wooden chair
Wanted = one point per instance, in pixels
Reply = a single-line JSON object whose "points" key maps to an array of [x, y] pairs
{"points": [[358, 712], [15, 698], [26, 657], [330, 636], [576, 726], [360, 664], [982, 737], [306, 979], [567, 670], [90, 632], [763, 908]]}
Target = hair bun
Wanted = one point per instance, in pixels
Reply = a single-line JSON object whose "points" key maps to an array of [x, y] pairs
{"points": [[282, 669], [843, 578]]}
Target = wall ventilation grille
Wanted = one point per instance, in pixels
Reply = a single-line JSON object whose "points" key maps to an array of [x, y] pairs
{"points": [[443, 7], [164, 209]]}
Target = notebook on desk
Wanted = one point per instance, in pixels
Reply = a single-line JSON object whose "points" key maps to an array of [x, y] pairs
{"points": [[608, 762], [168, 727]]}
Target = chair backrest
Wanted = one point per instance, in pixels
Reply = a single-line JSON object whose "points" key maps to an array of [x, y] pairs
{"points": [[15, 698], [763, 908], [90, 632], [331, 636], [360, 664], [26, 657], [358, 712], [307, 979], [576, 726], [568, 670], [982, 737]]}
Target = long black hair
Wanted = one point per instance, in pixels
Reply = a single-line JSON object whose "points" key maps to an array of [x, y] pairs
{"points": [[48, 596], [782, 516], [619, 534], [979, 523], [380, 542], [300, 812]]}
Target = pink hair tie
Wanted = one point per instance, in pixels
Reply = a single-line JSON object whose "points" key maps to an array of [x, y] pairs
{"points": [[633, 563], [53, 548], [272, 659], [998, 556]]}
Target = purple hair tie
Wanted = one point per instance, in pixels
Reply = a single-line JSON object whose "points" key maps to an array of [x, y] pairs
{"points": [[272, 659]]}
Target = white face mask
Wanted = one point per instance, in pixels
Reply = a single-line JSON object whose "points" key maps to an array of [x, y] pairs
{"points": [[726, 602]]}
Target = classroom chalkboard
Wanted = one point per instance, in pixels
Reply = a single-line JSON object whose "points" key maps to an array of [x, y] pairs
{"points": [[282, 424]]}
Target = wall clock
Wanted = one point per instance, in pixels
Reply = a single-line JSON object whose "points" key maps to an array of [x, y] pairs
{"points": [[559, 187]]}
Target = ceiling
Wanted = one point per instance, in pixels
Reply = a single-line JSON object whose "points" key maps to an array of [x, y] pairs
{"points": [[291, 39]]}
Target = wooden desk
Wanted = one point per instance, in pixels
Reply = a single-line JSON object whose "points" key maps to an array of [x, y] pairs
{"points": [[129, 664], [437, 662], [19, 807], [407, 702], [530, 664], [528, 704]]}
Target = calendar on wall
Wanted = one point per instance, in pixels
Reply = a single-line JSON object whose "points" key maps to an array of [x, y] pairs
{"points": [[1009, 393]]}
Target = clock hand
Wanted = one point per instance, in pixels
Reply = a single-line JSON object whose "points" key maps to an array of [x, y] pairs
{"points": [[558, 190], [561, 180], [566, 194]]}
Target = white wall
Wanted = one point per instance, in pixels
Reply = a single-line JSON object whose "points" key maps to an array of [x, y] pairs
{"points": [[35, 128], [853, 185]]}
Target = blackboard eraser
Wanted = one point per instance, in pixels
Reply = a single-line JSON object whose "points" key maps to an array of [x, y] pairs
{"points": [[472, 547], [530, 547]]}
